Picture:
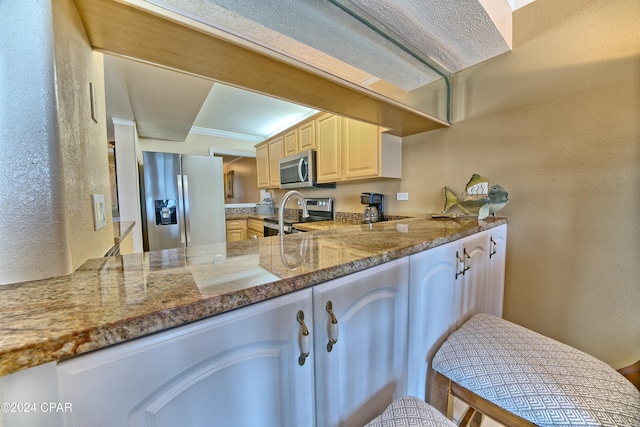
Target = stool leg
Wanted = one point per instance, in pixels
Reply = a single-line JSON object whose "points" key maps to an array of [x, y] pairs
{"points": [[441, 397]]}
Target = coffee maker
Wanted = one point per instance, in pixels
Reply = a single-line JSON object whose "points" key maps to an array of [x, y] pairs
{"points": [[374, 211]]}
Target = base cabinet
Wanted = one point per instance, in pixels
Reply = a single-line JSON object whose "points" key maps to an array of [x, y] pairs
{"points": [[236, 229], [447, 285], [243, 368], [235, 369], [497, 262], [360, 374], [255, 228]]}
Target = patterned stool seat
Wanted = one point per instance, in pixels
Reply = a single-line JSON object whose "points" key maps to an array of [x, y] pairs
{"points": [[410, 411], [535, 377]]}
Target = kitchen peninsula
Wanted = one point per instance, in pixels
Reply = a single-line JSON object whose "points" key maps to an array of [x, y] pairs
{"points": [[137, 297]]}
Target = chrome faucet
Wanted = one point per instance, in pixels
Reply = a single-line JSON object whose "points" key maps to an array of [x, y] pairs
{"points": [[286, 197]]}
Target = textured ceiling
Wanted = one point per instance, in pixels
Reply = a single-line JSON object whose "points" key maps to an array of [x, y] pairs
{"points": [[451, 34]]}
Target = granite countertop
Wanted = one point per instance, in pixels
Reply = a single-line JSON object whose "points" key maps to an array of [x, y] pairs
{"points": [[114, 299], [249, 215], [325, 225]]}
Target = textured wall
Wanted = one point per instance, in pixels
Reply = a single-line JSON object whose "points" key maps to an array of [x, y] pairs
{"points": [[33, 224], [54, 156], [557, 123], [83, 142]]}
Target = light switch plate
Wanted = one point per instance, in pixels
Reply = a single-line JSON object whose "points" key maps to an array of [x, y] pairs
{"points": [[99, 211], [402, 196]]}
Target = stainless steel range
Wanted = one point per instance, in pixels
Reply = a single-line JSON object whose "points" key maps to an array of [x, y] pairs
{"points": [[319, 210]]}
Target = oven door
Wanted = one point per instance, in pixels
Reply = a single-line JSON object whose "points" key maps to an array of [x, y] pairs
{"points": [[270, 228]]}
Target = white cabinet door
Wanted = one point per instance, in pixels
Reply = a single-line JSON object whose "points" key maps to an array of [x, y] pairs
{"points": [[366, 368], [236, 369], [447, 285], [432, 314], [497, 261], [472, 284], [30, 398]]}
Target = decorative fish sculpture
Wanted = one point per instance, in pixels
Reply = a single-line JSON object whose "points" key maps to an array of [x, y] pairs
{"points": [[478, 198]]}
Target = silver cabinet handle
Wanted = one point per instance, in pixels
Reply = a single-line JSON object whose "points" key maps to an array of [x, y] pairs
{"points": [[304, 339], [467, 261], [333, 327], [187, 209], [460, 265], [181, 212]]}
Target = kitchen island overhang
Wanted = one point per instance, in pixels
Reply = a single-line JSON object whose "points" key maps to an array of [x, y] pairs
{"points": [[116, 299]]}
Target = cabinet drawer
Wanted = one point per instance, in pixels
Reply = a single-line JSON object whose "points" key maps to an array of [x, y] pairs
{"points": [[255, 224], [235, 224]]}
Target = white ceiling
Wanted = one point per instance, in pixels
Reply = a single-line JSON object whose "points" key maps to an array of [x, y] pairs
{"points": [[167, 104]]}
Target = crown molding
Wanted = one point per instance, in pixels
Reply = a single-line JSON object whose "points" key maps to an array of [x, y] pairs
{"points": [[225, 134]]}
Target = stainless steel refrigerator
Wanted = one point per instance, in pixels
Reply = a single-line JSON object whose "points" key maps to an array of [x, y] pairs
{"points": [[183, 200]]}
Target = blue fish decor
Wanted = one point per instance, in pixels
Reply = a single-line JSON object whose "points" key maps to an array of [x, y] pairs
{"points": [[479, 198]]}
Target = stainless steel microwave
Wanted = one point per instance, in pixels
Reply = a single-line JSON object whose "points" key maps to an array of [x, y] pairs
{"points": [[299, 171]]}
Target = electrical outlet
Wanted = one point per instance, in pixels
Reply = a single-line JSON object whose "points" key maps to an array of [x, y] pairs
{"points": [[402, 196], [99, 211]]}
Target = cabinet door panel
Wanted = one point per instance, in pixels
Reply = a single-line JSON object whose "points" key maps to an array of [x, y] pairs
{"points": [[432, 312], [307, 136], [262, 165], [290, 143], [328, 142], [366, 368], [275, 154], [239, 368], [497, 259], [360, 149], [472, 291]]}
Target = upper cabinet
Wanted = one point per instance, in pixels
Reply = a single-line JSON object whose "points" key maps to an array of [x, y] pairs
{"points": [[350, 150], [275, 154], [328, 143], [307, 136], [290, 142], [262, 164], [347, 150]]}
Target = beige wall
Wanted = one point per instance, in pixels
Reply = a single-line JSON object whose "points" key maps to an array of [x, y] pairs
{"points": [[54, 154], [83, 142], [245, 178], [556, 122]]}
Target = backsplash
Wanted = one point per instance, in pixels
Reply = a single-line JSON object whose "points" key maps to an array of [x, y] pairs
{"points": [[339, 216]]}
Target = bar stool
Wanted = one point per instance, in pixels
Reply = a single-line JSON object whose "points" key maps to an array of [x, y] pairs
{"points": [[410, 411], [521, 378]]}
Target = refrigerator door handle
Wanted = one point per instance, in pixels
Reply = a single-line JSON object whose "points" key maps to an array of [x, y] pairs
{"points": [[180, 208], [187, 213]]}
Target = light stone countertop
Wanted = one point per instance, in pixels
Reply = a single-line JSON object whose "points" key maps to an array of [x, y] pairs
{"points": [[114, 299]]}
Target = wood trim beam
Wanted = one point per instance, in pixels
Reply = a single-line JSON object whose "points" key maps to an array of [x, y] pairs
{"points": [[124, 30]]}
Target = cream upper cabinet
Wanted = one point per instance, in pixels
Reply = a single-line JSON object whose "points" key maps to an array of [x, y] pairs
{"points": [[369, 153], [290, 142], [307, 136], [350, 150], [275, 154], [262, 164], [360, 149], [328, 144], [346, 150]]}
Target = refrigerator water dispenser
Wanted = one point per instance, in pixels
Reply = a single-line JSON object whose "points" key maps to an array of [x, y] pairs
{"points": [[166, 213]]}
